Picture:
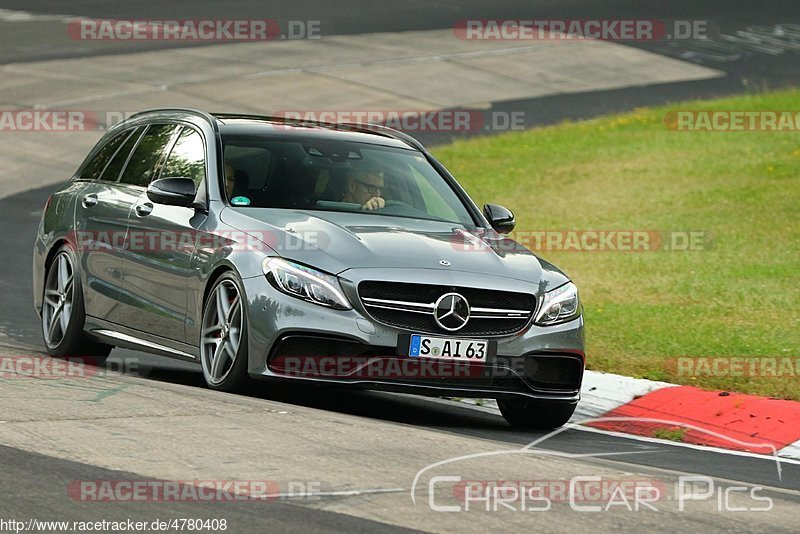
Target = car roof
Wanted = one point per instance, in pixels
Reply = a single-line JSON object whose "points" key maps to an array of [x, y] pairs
{"points": [[243, 124], [289, 130]]}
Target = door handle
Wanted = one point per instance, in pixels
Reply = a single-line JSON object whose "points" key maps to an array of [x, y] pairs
{"points": [[142, 210], [89, 200]]}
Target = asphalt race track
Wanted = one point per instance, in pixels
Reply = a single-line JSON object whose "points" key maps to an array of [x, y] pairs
{"points": [[43, 452], [19, 322], [747, 67], [34, 477]]}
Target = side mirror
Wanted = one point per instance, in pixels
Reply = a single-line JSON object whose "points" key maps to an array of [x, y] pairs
{"points": [[501, 219], [173, 192]]}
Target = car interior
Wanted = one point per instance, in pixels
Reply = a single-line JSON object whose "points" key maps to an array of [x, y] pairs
{"points": [[313, 175]]}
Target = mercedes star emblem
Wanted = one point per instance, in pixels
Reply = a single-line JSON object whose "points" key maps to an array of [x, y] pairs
{"points": [[451, 311]]}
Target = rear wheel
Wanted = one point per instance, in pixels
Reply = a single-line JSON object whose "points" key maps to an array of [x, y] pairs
{"points": [[223, 341], [63, 314], [532, 413]]}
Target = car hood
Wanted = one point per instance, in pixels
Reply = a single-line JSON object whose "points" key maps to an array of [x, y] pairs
{"points": [[337, 241]]}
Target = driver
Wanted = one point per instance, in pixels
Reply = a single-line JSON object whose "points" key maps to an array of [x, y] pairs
{"points": [[365, 186]]}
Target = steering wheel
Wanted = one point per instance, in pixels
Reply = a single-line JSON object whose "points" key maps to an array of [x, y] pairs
{"points": [[397, 203]]}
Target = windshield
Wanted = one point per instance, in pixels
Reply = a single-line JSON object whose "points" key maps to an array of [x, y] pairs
{"points": [[314, 174]]}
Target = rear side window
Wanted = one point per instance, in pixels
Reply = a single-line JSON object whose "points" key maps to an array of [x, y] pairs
{"points": [[188, 158], [113, 169], [94, 168], [142, 164]]}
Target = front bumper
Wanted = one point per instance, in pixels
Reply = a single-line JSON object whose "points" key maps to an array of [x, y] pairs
{"points": [[295, 340]]}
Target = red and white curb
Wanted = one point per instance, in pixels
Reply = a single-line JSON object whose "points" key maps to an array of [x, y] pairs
{"points": [[727, 420]]}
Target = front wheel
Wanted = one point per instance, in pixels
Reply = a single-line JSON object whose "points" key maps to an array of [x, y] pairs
{"points": [[223, 341], [63, 314], [535, 414]]}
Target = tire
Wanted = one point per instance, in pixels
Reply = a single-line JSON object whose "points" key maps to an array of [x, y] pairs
{"points": [[535, 414], [63, 313], [223, 336]]}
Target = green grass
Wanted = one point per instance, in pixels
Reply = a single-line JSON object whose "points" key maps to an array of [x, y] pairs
{"points": [[738, 297], [672, 434]]}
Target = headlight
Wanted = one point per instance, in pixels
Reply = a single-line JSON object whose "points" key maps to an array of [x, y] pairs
{"points": [[305, 283], [559, 306]]}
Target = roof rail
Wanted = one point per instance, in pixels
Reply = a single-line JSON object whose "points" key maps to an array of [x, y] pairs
{"points": [[202, 114], [375, 129]]}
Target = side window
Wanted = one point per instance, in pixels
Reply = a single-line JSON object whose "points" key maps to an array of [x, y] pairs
{"points": [[187, 159], [141, 166], [93, 169], [113, 169]]}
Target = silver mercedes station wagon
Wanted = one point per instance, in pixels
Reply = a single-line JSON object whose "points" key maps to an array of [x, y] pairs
{"points": [[267, 248]]}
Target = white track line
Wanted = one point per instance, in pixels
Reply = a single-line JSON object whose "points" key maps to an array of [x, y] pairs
{"points": [[706, 448], [11, 15]]}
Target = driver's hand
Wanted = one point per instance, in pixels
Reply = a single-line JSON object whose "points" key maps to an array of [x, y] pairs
{"points": [[375, 203]]}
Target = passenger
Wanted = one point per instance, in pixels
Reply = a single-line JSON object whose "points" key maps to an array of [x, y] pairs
{"points": [[230, 180]]}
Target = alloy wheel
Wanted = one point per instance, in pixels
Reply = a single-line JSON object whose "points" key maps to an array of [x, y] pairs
{"points": [[222, 329], [59, 296]]}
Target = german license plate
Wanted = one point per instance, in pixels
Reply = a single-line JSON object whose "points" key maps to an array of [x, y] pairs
{"points": [[445, 348]]}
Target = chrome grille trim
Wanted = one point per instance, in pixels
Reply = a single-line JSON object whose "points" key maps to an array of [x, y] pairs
{"points": [[422, 307]]}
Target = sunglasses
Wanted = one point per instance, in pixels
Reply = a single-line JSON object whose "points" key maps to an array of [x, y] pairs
{"points": [[370, 188]]}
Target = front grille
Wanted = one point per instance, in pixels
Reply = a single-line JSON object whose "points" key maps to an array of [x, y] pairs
{"points": [[411, 307]]}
